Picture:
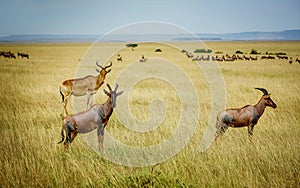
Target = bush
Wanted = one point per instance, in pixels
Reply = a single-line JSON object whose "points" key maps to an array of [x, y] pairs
{"points": [[131, 45], [158, 50], [203, 51], [238, 52], [218, 52], [253, 51]]}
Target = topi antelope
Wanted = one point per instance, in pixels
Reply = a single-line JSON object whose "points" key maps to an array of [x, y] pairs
{"points": [[95, 117], [242, 117], [88, 85]]}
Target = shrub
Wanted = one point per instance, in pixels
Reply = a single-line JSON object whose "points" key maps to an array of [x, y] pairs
{"points": [[203, 51], [131, 45], [238, 52], [158, 50], [253, 51]]}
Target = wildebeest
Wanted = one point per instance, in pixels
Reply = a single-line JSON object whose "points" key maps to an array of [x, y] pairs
{"points": [[23, 55], [88, 85], [119, 58], [143, 59], [282, 57], [246, 116], [94, 118], [8, 54]]}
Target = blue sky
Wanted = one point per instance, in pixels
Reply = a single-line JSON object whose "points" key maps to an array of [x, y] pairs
{"points": [[102, 16]]}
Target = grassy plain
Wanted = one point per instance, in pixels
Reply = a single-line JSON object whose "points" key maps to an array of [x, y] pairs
{"points": [[31, 123]]}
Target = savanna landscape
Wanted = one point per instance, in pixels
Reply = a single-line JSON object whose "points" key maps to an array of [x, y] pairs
{"points": [[31, 118]]}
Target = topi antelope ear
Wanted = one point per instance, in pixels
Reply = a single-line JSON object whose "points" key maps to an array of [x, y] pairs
{"points": [[119, 93], [106, 92]]}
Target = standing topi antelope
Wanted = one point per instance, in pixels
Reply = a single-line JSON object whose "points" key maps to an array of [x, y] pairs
{"points": [[242, 117], [88, 85], [95, 117]]}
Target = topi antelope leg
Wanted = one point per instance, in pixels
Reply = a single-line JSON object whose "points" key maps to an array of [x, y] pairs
{"points": [[100, 134], [65, 102], [250, 131], [89, 100], [100, 131], [221, 128]]}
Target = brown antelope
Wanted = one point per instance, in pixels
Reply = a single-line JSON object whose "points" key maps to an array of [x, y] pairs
{"points": [[88, 85], [242, 117], [94, 118]]}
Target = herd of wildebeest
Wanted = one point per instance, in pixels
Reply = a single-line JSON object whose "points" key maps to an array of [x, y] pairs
{"points": [[208, 57], [9, 54], [235, 57]]}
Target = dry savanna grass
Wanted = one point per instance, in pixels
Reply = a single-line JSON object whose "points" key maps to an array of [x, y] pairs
{"points": [[31, 110]]}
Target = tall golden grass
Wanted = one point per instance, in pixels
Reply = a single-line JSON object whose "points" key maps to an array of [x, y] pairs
{"points": [[31, 122]]}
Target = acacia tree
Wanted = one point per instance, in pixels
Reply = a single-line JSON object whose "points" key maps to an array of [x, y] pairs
{"points": [[131, 45]]}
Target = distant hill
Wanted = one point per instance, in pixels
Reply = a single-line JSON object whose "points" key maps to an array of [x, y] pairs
{"points": [[278, 35], [43, 38]]}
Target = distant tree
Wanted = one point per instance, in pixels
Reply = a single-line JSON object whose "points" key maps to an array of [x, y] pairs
{"points": [[132, 45], [158, 50], [253, 51]]}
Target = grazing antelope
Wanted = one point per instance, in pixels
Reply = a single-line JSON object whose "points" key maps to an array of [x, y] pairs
{"points": [[23, 55], [119, 58], [282, 57], [291, 60], [198, 58], [206, 58], [253, 58], [240, 58], [189, 55], [88, 85], [220, 58], [264, 57], [246, 58], [242, 117], [143, 59], [8, 54], [183, 51], [94, 118]]}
